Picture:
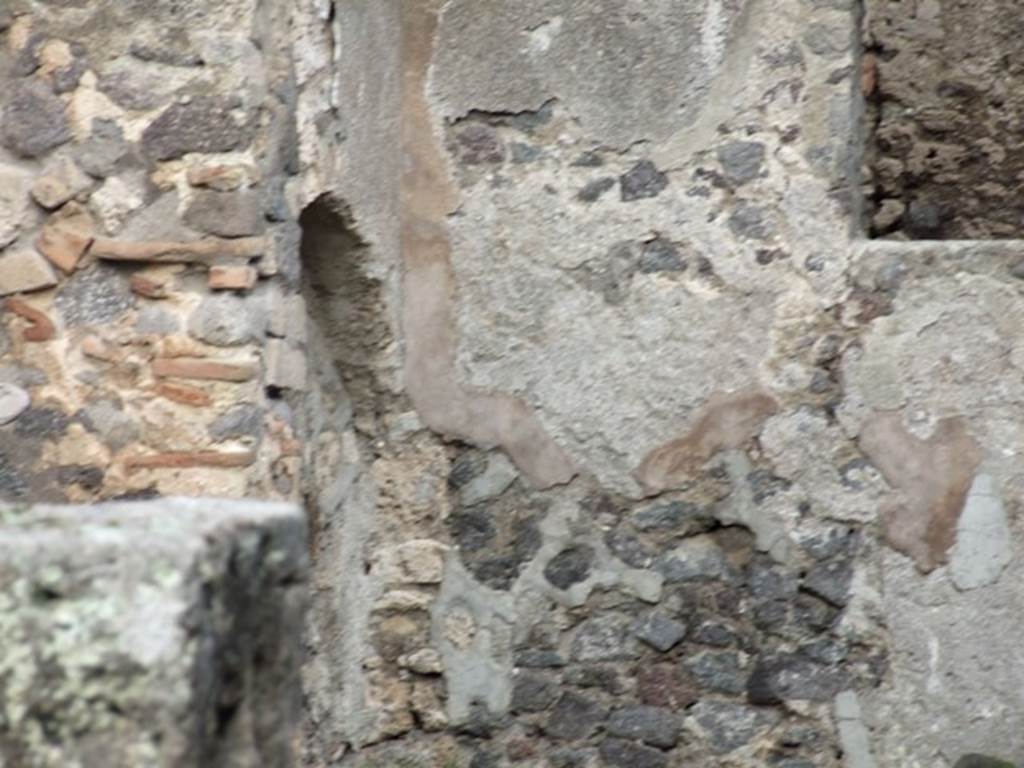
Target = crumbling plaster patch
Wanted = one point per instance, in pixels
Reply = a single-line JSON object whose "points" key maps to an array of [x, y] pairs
{"points": [[615, 356], [427, 197]]}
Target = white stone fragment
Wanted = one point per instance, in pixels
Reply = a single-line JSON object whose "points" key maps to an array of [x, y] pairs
{"points": [[982, 548], [13, 401]]}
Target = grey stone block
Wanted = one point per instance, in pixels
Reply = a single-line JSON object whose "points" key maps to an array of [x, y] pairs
{"points": [[163, 633]]}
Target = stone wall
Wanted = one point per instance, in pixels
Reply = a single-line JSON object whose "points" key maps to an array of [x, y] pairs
{"points": [[618, 446], [149, 634], [945, 84]]}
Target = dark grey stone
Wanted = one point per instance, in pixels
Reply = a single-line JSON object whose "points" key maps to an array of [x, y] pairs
{"points": [[574, 717], [719, 672], [570, 758], [467, 465], [481, 723], [242, 420], [800, 735], [764, 484], [629, 549], [785, 676], [656, 726], [286, 241], [228, 214], [593, 190], [104, 151], [590, 159], [23, 376], [473, 529], [41, 423], [202, 125], [539, 659], [27, 60], [606, 678], [13, 485], [67, 78], [485, 759], [659, 631], [660, 255], [680, 517], [839, 540], [741, 161], [534, 692], [604, 638], [89, 478], [227, 320], [94, 296], [715, 634], [830, 582], [107, 419], [751, 221], [813, 613], [923, 221], [620, 753], [771, 615], [826, 650], [570, 566], [643, 180], [769, 582], [730, 726], [479, 145], [33, 120]]}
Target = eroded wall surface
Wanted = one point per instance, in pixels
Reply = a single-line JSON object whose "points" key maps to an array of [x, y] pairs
{"points": [[618, 447], [945, 83]]}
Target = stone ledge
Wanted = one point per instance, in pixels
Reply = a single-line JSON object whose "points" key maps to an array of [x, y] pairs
{"points": [[159, 633]]}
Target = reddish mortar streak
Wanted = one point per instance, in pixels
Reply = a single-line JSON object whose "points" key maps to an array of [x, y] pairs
{"points": [[724, 422], [934, 475], [427, 197]]}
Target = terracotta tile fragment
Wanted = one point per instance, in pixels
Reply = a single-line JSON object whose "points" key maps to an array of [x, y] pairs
{"points": [[868, 75], [232, 278], [148, 287], [95, 347], [199, 251], [179, 393], [199, 368], [724, 422], [191, 459], [41, 328], [62, 246], [934, 476]]}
